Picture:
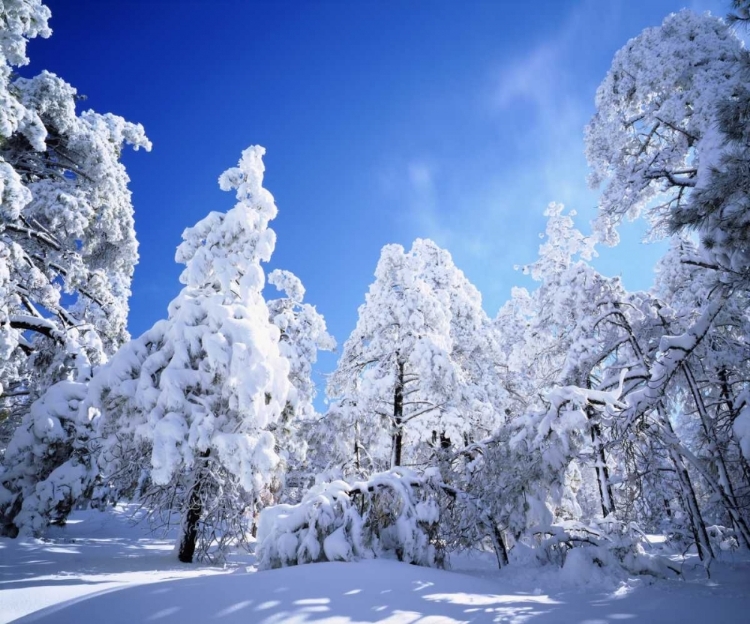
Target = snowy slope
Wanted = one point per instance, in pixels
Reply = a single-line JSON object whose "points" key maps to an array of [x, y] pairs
{"points": [[94, 552], [373, 591], [100, 568]]}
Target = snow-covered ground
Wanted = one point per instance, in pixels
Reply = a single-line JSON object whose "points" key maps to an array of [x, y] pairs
{"points": [[101, 568]]}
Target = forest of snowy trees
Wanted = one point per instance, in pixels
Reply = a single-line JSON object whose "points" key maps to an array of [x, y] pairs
{"points": [[578, 419]]}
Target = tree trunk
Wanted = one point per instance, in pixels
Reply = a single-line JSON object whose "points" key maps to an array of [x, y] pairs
{"points": [[193, 515], [689, 499], [398, 415], [728, 496], [501, 552], [357, 462], [602, 470]]}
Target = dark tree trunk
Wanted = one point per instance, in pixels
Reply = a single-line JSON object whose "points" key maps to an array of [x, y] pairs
{"points": [[667, 508], [690, 502], [606, 498], [726, 394], [501, 552], [194, 511], [687, 494], [398, 415], [8, 527], [357, 461]]}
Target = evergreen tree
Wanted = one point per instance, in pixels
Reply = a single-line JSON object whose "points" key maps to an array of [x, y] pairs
{"points": [[67, 254], [417, 373], [187, 408]]}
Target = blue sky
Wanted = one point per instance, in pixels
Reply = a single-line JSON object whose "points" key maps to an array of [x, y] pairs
{"points": [[384, 121]]}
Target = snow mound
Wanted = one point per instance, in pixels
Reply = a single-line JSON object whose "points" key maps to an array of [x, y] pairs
{"points": [[392, 515]]}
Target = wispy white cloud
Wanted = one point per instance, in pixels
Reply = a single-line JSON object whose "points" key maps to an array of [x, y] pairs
{"points": [[559, 103], [427, 210], [541, 85], [421, 178], [530, 78], [489, 220], [486, 205]]}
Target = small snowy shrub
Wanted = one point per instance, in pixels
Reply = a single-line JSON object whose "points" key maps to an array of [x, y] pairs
{"points": [[48, 466], [722, 538], [606, 544], [394, 514]]}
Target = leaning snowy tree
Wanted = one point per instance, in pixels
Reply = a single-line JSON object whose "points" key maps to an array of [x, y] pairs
{"points": [[186, 408], [707, 390], [416, 374], [67, 254], [669, 141], [653, 137]]}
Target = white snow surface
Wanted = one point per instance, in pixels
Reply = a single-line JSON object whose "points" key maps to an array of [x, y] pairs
{"points": [[102, 568]]}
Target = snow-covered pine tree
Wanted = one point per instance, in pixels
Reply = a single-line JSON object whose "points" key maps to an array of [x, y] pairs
{"points": [[66, 221], [67, 253], [415, 374], [718, 207], [187, 408], [652, 139], [303, 334]]}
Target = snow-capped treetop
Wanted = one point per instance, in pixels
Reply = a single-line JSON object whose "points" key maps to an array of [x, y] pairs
{"points": [[421, 333], [223, 250], [564, 243], [548, 334], [654, 109], [22, 20]]}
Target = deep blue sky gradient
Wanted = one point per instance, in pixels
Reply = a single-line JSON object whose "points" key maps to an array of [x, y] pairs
{"points": [[384, 121]]}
